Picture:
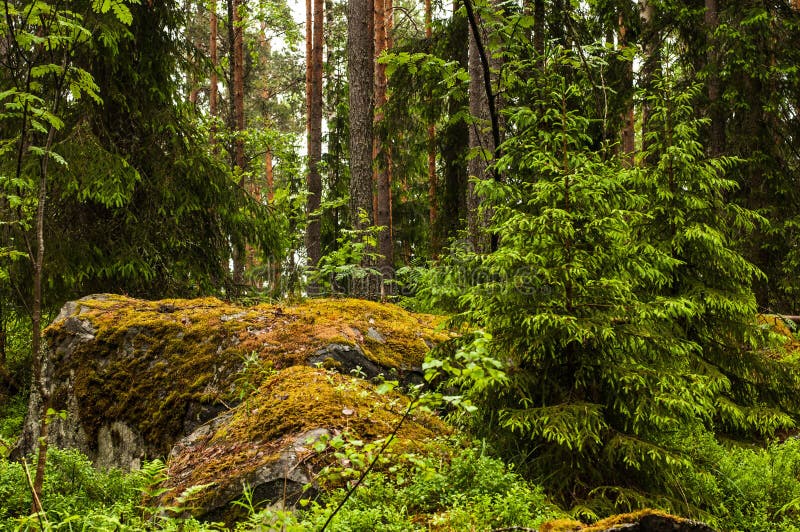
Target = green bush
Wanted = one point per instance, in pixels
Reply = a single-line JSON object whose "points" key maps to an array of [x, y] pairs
{"points": [[760, 488], [74, 493], [448, 486]]}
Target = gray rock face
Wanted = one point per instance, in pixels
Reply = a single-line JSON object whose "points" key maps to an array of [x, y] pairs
{"points": [[346, 359], [118, 446], [65, 433]]}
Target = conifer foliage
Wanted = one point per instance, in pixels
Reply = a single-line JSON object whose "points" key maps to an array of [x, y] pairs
{"points": [[617, 318]]}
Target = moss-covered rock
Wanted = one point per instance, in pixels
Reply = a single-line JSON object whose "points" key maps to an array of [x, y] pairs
{"points": [[641, 521], [232, 383], [266, 441]]}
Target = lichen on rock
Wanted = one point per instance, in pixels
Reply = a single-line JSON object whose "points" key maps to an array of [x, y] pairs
{"points": [[232, 383], [265, 439]]}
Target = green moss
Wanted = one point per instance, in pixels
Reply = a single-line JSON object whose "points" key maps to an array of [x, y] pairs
{"points": [[633, 517], [154, 361], [286, 405]]}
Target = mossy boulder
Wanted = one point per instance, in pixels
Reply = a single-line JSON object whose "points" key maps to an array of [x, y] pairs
{"points": [[266, 442], [641, 521], [239, 387]]}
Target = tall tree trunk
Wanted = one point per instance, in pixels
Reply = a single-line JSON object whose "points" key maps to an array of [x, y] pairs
{"points": [[380, 153], [194, 84], [480, 139], [36, 331], [433, 184], [628, 141], [238, 82], [230, 121], [309, 60], [237, 65], [389, 163], [453, 142], [36, 317], [314, 181], [213, 93], [652, 62], [715, 109], [558, 29], [266, 46], [360, 63], [538, 30]]}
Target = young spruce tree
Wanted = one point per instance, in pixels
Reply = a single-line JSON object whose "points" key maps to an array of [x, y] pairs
{"points": [[622, 320]]}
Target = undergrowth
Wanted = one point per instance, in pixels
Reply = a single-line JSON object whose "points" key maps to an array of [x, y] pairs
{"points": [[448, 486]]}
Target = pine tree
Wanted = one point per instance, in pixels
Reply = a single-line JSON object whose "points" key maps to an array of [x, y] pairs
{"points": [[314, 179]]}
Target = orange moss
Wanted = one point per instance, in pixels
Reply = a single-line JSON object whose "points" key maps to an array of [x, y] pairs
{"points": [[568, 525], [154, 362], [561, 525]]}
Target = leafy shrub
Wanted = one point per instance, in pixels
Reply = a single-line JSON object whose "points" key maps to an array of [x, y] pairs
{"points": [[449, 487], [74, 492], [12, 416], [760, 488]]}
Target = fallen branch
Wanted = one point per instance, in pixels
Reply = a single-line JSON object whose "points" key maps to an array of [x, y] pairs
{"points": [[37, 503], [371, 465]]}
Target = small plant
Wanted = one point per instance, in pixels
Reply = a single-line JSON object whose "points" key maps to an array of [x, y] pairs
{"points": [[346, 269], [254, 371], [447, 485]]}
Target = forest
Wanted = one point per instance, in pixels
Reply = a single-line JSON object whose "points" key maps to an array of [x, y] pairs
{"points": [[599, 196]]}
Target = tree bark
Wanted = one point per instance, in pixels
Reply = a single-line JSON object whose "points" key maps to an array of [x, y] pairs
{"points": [[36, 326], [266, 46], [652, 62], [360, 64], [213, 93], [628, 140], [36, 315], [236, 37], [380, 153], [314, 180], [360, 72], [433, 184], [480, 139], [715, 110], [309, 60], [238, 83], [538, 30]]}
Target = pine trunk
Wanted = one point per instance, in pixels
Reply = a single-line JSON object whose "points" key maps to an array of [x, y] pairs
{"points": [[360, 63], [314, 180], [360, 73], [538, 30], [238, 83], [628, 140], [651, 65], [715, 110], [480, 139], [380, 151], [213, 92], [309, 60], [433, 184], [266, 46]]}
